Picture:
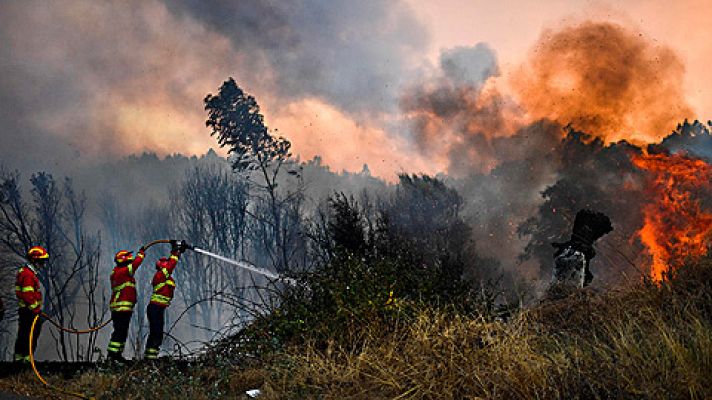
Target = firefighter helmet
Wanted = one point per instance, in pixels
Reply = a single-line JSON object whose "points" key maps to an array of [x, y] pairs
{"points": [[37, 253], [123, 257]]}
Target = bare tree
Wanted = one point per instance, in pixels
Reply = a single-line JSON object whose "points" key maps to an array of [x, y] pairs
{"points": [[210, 210], [53, 218]]}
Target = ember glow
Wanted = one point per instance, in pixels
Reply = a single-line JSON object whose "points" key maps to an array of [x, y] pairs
{"points": [[677, 224]]}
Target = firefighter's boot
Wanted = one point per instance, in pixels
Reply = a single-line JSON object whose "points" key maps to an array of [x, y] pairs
{"points": [[115, 352], [151, 354]]}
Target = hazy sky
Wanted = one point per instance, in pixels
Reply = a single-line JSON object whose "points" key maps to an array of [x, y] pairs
{"points": [[511, 28], [85, 80]]}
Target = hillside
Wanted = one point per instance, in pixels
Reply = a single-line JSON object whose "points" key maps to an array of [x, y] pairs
{"points": [[642, 341]]}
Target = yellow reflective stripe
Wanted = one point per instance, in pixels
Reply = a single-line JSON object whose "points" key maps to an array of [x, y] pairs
{"points": [[161, 299], [130, 269], [165, 272], [151, 353], [122, 286], [34, 305], [174, 257], [25, 289], [140, 255], [116, 346], [122, 303], [162, 284]]}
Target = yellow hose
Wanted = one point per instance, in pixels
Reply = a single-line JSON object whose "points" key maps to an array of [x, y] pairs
{"points": [[76, 331], [156, 242], [37, 373]]}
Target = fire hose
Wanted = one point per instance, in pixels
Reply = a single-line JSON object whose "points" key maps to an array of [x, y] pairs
{"points": [[37, 373], [240, 264]]}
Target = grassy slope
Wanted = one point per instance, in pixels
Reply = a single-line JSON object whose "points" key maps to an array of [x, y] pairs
{"points": [[642, 342]]}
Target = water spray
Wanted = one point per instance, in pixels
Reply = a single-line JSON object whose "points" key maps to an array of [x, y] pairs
{"points": [[240, 264], [245, 265]]}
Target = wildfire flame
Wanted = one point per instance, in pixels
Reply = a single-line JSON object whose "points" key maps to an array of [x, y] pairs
{"points": [[677, 224]]}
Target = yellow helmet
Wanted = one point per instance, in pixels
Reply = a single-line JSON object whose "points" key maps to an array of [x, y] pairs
{"points": [[37, 253], [123, 257]]}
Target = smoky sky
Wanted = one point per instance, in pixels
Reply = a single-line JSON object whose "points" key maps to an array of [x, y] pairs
{"points": [[453, 114], [693, 139], [74, 76], [351, 53], [86, 81]]}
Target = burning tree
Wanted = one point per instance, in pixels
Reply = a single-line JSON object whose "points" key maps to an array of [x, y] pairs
{"points": [[677, 222]]}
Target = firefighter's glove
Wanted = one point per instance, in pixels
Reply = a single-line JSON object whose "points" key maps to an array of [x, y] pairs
{"points": [[142, 250], [174, 246]]}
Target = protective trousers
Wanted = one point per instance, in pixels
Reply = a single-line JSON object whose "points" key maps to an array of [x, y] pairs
{"points": [[121, 321], [22, 343], [156, 315]]}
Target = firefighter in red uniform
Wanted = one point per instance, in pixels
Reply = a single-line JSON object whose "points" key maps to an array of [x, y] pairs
{"points": [[123, 299], [29, 300], [163, 288]]}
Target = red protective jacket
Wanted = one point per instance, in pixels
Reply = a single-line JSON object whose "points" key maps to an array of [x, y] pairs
{"points": [[163, 283], [27, 289], [123, 285]]}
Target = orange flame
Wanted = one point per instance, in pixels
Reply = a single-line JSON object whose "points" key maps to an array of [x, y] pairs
{"points": [[676, 224]]}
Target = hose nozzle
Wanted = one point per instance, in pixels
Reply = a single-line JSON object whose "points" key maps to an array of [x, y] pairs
{"points": [[180, 245]]}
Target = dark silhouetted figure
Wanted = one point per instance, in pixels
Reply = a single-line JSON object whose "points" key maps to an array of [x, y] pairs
{"points": [[572, 258]]}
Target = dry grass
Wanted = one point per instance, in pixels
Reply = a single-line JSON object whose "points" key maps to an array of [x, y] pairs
{"points": [[645, 342], [462, 358]]}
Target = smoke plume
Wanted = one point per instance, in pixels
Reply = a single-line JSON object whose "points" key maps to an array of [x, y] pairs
{"points": [[454, 113], [350, 54], [604, 79], [85, 81], [522, 172]]}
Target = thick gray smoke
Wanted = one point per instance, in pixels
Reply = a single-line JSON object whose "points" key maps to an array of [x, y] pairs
{"points": [[85, 81], [453, 114], [691, 138], [352, 54], [523, 182], [82, 81], [500, 169]]}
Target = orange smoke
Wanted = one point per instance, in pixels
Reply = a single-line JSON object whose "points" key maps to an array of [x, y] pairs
{"points": [[604, 80], [676, 224]]}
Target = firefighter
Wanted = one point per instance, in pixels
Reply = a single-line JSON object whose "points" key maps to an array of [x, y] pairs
{"points": [[123, 299], [29, 301], [163, 288]]}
